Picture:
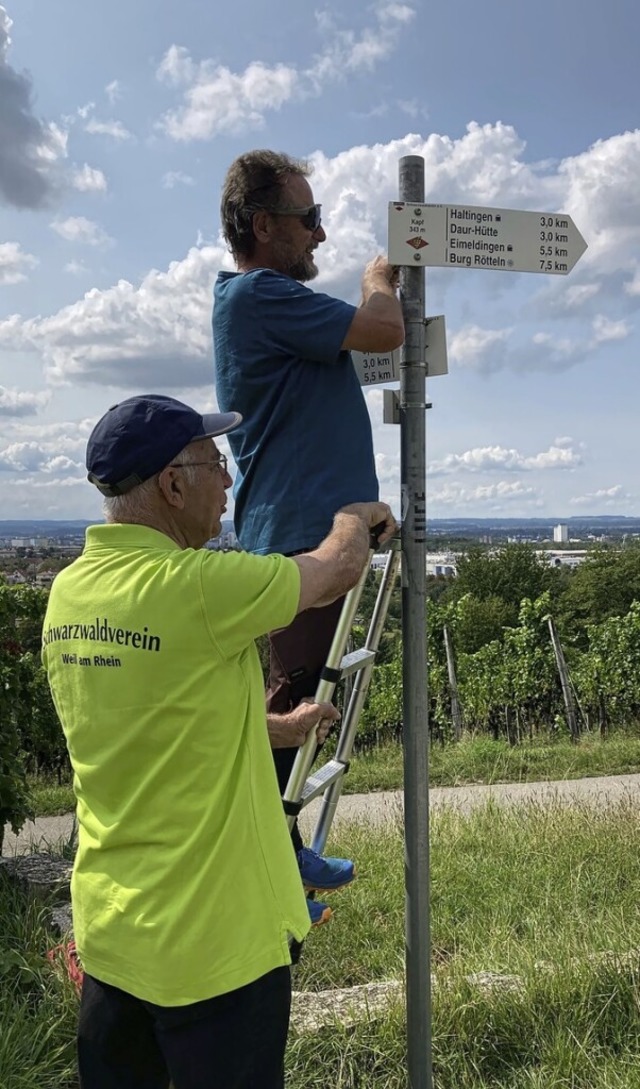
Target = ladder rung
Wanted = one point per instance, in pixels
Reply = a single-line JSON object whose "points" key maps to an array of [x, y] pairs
{"points": [[318, 782], [358, 659]]}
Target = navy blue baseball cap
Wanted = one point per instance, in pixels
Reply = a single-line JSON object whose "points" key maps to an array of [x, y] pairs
{"points": [[136, 439]]}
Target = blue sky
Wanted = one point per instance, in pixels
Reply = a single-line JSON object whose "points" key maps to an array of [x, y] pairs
{"points": [[117, 124]]}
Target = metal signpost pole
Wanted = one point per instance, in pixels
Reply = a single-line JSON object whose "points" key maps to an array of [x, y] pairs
{"points": [[431, 235], [414, 637]]}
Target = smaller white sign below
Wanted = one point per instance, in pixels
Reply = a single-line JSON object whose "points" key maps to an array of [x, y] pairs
{"points": [[436, 347], [375, 368]]}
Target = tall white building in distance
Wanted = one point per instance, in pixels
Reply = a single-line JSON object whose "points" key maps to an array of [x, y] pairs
{"points": [[560, 534]]}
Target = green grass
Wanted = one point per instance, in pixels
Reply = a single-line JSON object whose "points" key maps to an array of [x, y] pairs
{"points": [[481, 760], [541, 893], [49, 797], [509, 887], [579, 1030], [38, 1005], [473, 760]]}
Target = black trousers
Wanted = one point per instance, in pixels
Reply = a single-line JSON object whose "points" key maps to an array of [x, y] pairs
{"points": [[234, 1041], [297, 656]]}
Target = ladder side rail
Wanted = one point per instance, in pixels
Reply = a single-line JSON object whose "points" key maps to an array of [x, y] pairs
{"points": [[374, 634], [324, 693], [348, 732]]}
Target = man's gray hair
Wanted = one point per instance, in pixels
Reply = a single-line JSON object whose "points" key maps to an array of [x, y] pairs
{"points": [[138, 505]]}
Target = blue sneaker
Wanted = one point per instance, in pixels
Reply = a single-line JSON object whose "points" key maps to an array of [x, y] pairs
{"points": [[318, 913], [324, 873]]}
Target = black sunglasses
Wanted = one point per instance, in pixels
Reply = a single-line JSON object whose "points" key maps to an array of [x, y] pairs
{"points": [[309, 217]]}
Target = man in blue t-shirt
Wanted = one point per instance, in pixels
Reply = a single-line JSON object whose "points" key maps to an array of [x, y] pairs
{"points": [[305, 448]]}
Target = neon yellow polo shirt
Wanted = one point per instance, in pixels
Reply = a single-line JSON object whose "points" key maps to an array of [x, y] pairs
{"points": [[185, 883]]}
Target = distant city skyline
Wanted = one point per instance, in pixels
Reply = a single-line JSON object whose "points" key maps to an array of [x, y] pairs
{"points": [[43, 528], [118, 131]]}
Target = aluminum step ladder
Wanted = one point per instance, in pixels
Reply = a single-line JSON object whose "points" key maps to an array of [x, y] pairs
{"points": [[328, 780]]}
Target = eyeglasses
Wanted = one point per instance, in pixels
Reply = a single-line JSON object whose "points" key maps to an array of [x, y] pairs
{"points": [[309, 217], [220, 463]]}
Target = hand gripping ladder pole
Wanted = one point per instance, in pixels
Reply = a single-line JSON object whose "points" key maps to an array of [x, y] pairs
{"points": [[302, 788]]}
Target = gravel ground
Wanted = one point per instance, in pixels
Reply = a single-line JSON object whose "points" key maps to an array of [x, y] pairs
{"points": [[385, 806]]}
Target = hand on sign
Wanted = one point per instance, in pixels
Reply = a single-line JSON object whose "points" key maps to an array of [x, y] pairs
{"points": [[380, 270]]}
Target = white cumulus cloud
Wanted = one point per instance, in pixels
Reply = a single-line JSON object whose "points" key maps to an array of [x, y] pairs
{"points": [[493, 497], [156, 334], [222, 101], [158, 330], [113, 91], [34, 457], [15, 402], [603, 197], [604, 329], [76, 268], [501, 459], [350, 50], [217, 100], [479, 348], [81, 230], [115, 129], [176, 177], [632, 287], [607, 497], [578, 294], [14, 263], [88, 179]]}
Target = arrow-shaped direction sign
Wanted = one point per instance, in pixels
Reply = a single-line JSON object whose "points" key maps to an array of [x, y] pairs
{"points": [[373, 368], [462, 236]]}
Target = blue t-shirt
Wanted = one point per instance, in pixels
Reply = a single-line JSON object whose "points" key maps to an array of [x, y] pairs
{"points": [[304, 448]]}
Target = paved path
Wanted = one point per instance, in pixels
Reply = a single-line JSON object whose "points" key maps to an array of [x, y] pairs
{"points": [[386, 806]]}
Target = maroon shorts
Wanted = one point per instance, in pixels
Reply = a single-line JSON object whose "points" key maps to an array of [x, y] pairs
{"points": [[297, 655]]}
